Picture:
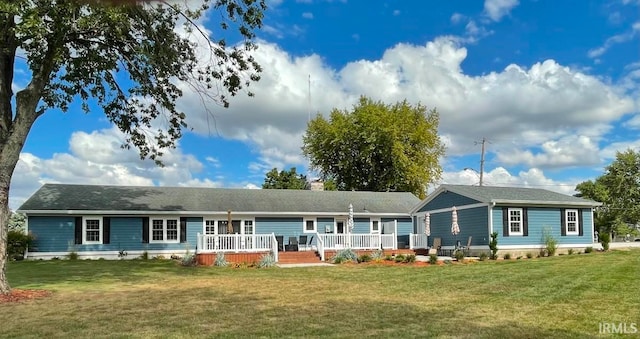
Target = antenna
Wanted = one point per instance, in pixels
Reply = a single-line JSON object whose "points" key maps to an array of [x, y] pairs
{"points": [[484, 141]]}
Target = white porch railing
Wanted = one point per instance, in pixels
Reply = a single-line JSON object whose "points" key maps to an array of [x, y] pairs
{"points": [[418, 241], [320, 246], [357, 241], [210, 243]]}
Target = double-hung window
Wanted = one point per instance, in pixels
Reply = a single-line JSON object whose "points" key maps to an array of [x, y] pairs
{"points": [[165, 230], [92, 230], [515, 221], [375, 226], [571, 217]]}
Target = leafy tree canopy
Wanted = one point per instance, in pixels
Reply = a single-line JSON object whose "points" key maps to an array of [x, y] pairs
{"points": [[130, 61], [285, 180], [619, 191], [377, 147]]}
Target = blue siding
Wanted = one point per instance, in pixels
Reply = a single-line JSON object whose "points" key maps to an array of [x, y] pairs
{"points": [[361, 225], [56, 234], [323, 222], [472, 222], [539, 220], [284, 226], [404, 228], [446, 200]]}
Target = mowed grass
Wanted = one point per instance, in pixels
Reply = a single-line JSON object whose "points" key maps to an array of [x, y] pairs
{"points": [[566, 296]]}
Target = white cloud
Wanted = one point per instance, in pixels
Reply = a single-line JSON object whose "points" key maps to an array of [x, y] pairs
{"points": [[396, 12], [456, 18], [307, 15], [497, 9], [614, 40]]}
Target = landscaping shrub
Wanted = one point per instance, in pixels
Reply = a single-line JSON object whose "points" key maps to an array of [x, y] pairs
{"points": [[550, 243], [345, 255], [364, 258], [459, 255], [399, 258], [17, 243], [433, 259], [605, 238], [267, 260], [388, 257], [220, 260], [73, 255], [529, 255], [493, 245], [570, 251], [377, 255], [483, 256], [588, 249], [410, 258], [506, 256], [189, 259]]}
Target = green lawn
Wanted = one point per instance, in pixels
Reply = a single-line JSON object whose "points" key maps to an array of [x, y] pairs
{"points": [[566, 296]]}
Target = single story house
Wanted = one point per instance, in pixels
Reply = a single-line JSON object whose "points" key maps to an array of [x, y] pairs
{"points": [[521, 217], [106, 221]]}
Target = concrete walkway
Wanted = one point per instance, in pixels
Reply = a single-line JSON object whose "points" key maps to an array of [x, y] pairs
{"points": [[304, 265]]}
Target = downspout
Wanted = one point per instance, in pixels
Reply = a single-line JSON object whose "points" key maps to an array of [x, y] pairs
{"points": [[490, 207]]}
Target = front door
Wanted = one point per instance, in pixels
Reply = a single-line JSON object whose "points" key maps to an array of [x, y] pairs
{"points": [[340, 226]]}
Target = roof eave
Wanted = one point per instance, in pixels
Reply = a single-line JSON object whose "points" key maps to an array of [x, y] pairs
{"points": [[546, 202]]}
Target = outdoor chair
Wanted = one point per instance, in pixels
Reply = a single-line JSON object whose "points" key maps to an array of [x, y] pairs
{"points": [[280, 240], [303, 241], [293, 244], [310, 242], [435, 249], [465, 249]]}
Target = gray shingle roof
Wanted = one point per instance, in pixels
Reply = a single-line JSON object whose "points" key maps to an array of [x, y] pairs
{"points": [[62, 197], [496, 194]]}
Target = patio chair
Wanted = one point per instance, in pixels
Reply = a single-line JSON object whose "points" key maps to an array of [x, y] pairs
{"points": [[293, 244], [310, 242], [303, 241], [280, 240], [465, 249], [435, 249]]}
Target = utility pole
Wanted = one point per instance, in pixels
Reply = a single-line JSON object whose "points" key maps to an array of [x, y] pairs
{"points": [[484, 141]]}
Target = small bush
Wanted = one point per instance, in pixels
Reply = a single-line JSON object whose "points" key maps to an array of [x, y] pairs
{"points": [[410, 258], [433, 259], [220, 260], [267, 260], [570, 251], [399, 258], [144, 255], [73, 255], [17, 244], [388, 258], [364, 258], [588, 250], [519, 257], [493, 245], [188, 259], [483, 256], [345, 255], [506, 256], [459, 255], [122, 254], [551, 244], [377, 255], [529, 255], [605, 238], [542, 253], [159, 257]]}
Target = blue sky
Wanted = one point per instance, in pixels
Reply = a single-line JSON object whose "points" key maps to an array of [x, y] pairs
{"points": [[552, 85]]}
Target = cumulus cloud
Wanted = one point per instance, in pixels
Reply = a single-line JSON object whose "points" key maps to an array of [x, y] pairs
{"points": [[497, 9]]}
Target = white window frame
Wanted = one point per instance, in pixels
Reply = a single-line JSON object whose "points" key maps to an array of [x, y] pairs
{"points": [[521, 222], [566, 222], [315, 224], [164, 230], [243, 224], [371, 221], [204, 226], [84, 230], [218, 220]]}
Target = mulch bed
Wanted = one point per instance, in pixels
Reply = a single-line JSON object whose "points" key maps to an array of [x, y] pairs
{"points": [[18, 295]]}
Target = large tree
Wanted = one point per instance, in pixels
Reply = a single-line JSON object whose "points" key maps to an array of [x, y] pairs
{"points": [[619, 191], [128, 61], [377, 147], [285, 179]]}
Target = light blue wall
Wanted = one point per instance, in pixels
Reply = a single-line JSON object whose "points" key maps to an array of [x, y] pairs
{"points": [[404, 228], [361, 225], [472, 223], [284, 226], [446, 200], [539, 220], [53, 234]]}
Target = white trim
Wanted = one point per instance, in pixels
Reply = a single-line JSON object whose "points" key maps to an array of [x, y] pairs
{"points": [[490, 217], [164, 229], [593, 228], [84, 230], [208, 213], [539, 246], [546, 203], [566, 222], [521, 222], [344, 225], [371, 230], [253, 226], [304, 224], [108, 254]]}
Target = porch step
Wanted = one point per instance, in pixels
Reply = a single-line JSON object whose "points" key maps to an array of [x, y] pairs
{"points": [[302, 257]]}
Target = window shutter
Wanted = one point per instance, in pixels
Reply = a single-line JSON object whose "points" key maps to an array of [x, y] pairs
{"points": [[563, 222], [183, 229], [106, 230], [525, 222], [145, 230], [580, 227], [78, 231], [505, 222]]}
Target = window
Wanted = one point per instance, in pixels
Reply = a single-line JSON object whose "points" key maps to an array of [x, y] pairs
{"points": [[571, 216], [222, 226], [309, 225], [209, 227], [92, 231], [165, 231], [375, 226], [515, 221], [248, 227]]}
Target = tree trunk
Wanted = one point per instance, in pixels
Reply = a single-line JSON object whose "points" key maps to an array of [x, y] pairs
{"points": [[4, 221]]}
